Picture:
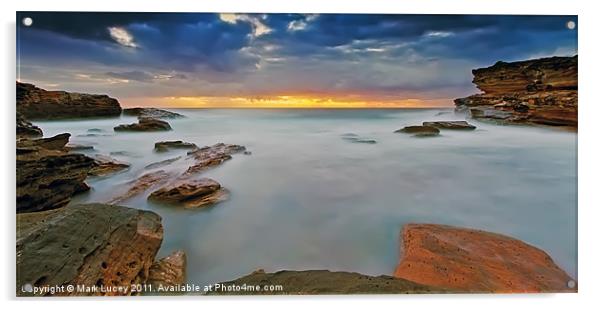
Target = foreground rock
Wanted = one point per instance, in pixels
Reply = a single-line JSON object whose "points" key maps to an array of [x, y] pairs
{"points": [[150, 112], [542, 91], [324, 282], [91, 245], [142, 184], [193, 193], [47, 175], [210, 156], [37, 103], [105, 165], [166, 145], [169, 271], [450, 125], [476, 261], [145, 124], [420, 131], [26, 128]]}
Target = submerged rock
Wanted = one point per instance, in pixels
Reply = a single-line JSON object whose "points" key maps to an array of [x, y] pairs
{"points": [[91, 245], [150, 112], [354, 138], [541, 91], [452, 125], [323, 282], [142, 184], [210, 156], [421, 131], [145, 124], [168, 271], [47, 175], [37, 103], [166, 145], [162, 163], [26, 128], [193, 193], [105, 165], [476, 261]]}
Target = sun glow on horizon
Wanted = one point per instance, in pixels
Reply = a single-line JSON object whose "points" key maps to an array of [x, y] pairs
{"points": [[286, 101]]}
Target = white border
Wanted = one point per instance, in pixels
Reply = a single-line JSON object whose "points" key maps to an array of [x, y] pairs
{"points": [[589, 146]]}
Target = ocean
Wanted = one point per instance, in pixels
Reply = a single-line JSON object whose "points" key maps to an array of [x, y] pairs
{"points": [[308, 197]]}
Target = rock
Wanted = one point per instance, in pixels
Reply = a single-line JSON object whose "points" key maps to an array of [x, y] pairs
{"points": [[142, 184], [162, 163], [452, 125], [541, 91], [166, 145], [145, 124], [168, 271], [442, 113], [95, 130], [150, 112], [47, 175], [322, 282], [76, 147], [476, 261], [421, 131], [26, 128], [354, 138], [123, 153], [105, 165], [247, 153], [37, 103], [193, 193], [210, 156], [91, 245]]}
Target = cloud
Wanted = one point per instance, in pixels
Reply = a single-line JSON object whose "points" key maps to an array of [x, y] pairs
{"points": [[122, 36]]}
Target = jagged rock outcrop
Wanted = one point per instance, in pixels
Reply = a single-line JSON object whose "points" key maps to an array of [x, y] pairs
{"points": [[47, 174], [142, 184], [91, 245], [541, 91], [194, 193], [150, 112], [450, 125], [37, 103], [166, 145], [168, 271], [145, 124], [322, 282], [210, 156], [420, 131], [26, 128], [476, 261]]}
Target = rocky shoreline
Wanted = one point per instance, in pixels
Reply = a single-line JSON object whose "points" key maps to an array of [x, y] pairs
{"points": [[60, 243]]}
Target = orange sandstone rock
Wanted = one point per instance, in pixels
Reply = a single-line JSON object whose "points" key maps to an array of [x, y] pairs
{"points": [[476, 261]]}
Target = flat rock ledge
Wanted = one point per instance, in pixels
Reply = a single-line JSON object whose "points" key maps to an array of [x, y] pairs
{"points": [[194, 193], [450, 125], [105, 165], [211, 156], [420, 131], [476, 261], [311, 282], [144, 125], [166, 145], [150, 112], [93, 245]]}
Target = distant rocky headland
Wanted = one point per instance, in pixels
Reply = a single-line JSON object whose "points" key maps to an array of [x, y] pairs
{"points": [[541, 92], [59, 243]]}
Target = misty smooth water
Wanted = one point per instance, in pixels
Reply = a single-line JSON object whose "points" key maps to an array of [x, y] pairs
{"points": [[309, 199]]}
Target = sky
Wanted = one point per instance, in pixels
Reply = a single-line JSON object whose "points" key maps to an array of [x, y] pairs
{"points": [[278, 60]]}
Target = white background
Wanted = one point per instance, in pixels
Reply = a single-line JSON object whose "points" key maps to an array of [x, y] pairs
{"points": [[590, 111]]}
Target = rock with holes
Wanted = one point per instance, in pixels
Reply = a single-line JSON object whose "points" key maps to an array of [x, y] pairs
{"points": [[476, 261], [169, 271], [193, 193], [91, 245]]}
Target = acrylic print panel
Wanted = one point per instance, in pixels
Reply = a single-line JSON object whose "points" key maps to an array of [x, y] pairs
{"points": [[217, 154]]}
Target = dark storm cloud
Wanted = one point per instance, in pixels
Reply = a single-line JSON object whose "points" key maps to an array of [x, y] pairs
{"points": [[379, 52]]}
